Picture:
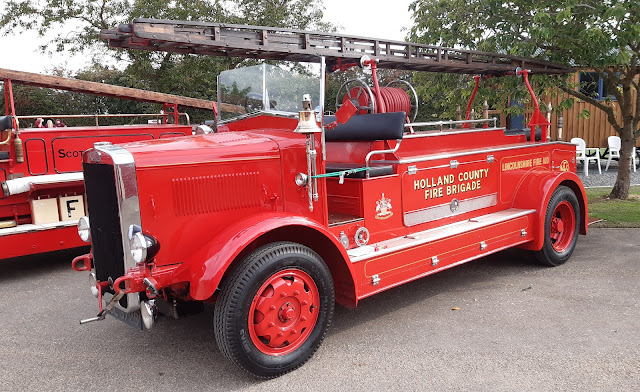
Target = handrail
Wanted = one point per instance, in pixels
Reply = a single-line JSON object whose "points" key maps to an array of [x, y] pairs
{"points": [[375, 152], [453, 122], [98, 116]]}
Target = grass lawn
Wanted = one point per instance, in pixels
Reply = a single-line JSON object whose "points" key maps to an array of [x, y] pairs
{"points": [[616, 213]]}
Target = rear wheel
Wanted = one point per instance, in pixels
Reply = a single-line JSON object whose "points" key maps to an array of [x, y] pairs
{"points": [[274, 309], [562, 220]]}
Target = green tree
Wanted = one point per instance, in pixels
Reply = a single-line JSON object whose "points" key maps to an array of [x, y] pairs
{"points": [[603, 35], [76, 24]]}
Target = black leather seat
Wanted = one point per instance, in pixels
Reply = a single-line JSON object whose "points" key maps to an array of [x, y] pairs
{"points": [[379, 126], [6, 122], [524, 131], [365, 127]]}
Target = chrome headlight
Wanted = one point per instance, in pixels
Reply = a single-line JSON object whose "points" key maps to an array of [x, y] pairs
{"points": [[138, 247], [84, 230], [143, 246]]}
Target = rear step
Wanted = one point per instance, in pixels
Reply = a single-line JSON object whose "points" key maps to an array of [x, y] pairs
{"points": [[438, 233]]}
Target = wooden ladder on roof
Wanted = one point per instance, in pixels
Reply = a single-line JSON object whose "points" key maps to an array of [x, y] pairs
{"points": [[271, 43]]}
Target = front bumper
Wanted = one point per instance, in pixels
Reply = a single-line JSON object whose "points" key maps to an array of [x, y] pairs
{"points": [[141, 283]]}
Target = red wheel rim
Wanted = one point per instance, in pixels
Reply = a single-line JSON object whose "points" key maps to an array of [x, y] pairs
{"points": [[563, 226], [284, 312]]}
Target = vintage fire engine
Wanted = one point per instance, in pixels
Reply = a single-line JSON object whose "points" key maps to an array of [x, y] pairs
{"points": [[40, 167], [284, 211]]}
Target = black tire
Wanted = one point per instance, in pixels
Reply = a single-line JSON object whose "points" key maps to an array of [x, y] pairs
{"points": [[559, 244], [244, 292]]}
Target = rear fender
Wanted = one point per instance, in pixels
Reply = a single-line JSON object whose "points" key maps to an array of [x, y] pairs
{"points": [[544, 183], [206, 268]]}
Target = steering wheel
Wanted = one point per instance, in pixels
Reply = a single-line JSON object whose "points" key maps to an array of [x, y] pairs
{"points": [[253, 103]]}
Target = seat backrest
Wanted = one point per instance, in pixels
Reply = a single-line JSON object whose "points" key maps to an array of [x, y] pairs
{"points": [[367, 127], [6, 122], [581, 145], [524, 131], [614, 142]]}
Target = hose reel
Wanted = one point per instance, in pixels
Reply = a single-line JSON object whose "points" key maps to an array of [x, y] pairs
{"points": [[396, 99]]}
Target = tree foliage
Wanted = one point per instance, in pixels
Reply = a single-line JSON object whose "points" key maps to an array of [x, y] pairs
{"points": [[603, 35], [75, 26]]}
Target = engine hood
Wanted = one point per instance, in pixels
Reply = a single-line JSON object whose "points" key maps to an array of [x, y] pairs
{"points": [[201, 149]]}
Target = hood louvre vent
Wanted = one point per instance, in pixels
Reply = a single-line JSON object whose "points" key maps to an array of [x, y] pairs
{"points": [[215, 193]]}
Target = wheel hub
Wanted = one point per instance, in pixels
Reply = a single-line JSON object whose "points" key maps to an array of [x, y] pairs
{"points": [[558, 226], [284, 312], [287, 312], [562, 226]]}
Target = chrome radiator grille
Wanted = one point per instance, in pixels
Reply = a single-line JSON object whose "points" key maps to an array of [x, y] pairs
{"points": [[104, 218]]}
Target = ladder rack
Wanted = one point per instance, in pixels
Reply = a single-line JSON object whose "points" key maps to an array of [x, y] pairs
{"points": [[271, 43]]}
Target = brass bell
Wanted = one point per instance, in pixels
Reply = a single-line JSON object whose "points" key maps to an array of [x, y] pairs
{"points": [[307, 122]]}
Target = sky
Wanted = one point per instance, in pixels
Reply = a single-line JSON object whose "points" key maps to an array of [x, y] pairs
{"points": [[357, 17]]}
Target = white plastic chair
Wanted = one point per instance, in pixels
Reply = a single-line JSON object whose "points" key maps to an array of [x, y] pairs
{"points": [[581, 154], [615, 143]]}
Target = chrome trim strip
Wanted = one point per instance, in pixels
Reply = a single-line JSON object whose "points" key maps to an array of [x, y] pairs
{"points": [[467, 153], [450, 123], [128, 203], [425, 236], [23, 184], [323, 70], [441, 211], [454, 131], [32, 228]]}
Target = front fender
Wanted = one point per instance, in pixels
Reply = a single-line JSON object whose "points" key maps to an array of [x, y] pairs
{"points": [[205, 269], [544, 183]]}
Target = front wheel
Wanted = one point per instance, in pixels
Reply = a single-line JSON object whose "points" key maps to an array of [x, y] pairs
{"points": [[274, 309], [561, 223]]}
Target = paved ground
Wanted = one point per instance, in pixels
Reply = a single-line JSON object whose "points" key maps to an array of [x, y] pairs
{"points": [[607, 178], [520, 327]]}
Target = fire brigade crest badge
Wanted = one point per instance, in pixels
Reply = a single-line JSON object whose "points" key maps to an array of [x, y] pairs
{"points": [[564, 166], [383, 208]]}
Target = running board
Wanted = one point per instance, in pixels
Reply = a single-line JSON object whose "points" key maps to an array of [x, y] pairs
{"points": [[31, 228], [423, 237]]}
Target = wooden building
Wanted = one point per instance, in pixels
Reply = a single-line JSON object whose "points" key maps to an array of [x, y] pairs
{"points": [[594, 130]]}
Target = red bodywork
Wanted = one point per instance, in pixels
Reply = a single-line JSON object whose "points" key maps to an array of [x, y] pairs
{"points": [[272, 216], [55, 154], [51, 151], [205, 224]]}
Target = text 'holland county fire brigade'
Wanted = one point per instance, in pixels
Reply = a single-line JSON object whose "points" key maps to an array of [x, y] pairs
{"points": [[451, 184]]}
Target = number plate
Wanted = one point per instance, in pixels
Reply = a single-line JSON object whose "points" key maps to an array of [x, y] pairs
{"points": [[134, 319]]}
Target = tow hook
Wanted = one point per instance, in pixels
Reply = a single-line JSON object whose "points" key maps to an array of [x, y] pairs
{"points": [[82, 263], [100, 286], [103, 312]]}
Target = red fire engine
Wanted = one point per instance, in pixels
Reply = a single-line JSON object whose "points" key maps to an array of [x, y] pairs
{"points": [[283, 212], [40, 166]]}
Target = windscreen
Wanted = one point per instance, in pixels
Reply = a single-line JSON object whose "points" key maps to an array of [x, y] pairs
{"points": [[276, 89]]}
